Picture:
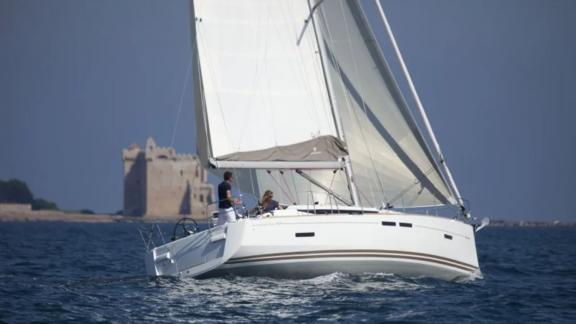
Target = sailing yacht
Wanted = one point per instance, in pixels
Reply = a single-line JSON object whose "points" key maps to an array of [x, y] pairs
{"points": [[297, 97]]}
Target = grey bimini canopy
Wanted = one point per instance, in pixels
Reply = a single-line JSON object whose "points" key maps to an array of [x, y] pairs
{"points": [[323, 148]]}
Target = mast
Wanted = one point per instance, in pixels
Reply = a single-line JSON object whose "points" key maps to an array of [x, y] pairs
{"points": [[336, 116], [441, 161]]}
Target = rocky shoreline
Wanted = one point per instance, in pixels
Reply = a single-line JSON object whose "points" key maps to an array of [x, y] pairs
{"points": [[60, 216]]}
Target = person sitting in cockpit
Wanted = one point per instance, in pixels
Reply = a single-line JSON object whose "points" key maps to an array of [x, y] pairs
{"points": [[267, 203]]}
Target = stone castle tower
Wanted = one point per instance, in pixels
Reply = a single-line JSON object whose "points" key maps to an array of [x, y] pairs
{"points": [[160, 183]]}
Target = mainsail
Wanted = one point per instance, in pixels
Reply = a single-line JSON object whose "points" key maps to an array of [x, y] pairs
{"points": [[281, 82], [262, 88]]}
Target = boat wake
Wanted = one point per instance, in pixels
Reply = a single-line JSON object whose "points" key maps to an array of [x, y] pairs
{"points": [[324, 279], [476, 275]]}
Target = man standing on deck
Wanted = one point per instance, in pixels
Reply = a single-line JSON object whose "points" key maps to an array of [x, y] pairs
{"points": [[226, 213]]}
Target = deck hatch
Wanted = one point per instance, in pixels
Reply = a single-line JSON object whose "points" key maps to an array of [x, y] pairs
{"points": [[405, 224], [305, 234], [389, 223]]}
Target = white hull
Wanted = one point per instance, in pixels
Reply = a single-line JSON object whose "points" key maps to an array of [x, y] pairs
{"points": [[312, 245]]}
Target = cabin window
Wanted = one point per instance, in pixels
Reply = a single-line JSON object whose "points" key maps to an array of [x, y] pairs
{"points": [[388, 223], [405, 224], [446, 236], [305, 234]]}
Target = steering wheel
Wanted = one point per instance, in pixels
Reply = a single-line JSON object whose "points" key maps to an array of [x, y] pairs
{"points": [[186, 225]]}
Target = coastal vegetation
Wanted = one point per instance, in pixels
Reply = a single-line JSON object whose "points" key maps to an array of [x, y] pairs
{"points": [[17, 192]]}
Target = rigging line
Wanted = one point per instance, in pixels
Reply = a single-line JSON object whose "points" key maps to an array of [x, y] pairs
{"points": [[328, 87], [299, 65], [327, 80], [311, 196], [442, 161], [416, 182], [363, 195], [316, 79], [307, 20], [313, 82], [186, 80], [319, 184], [394, 145], [355, 64], [294, 183], [349, 169], [329, 196], [286, 184], [377, 54], [252, 183], [280, 186], [416, 196]]}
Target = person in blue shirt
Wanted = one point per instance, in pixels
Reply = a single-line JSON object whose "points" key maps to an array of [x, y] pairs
{"points": [[226, 212], [267, 203]]}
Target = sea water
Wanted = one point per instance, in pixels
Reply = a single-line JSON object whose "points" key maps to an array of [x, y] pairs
{"points": [[80, 272]]}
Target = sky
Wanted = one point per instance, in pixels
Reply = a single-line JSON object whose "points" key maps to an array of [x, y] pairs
{"points": [[80, 80]]}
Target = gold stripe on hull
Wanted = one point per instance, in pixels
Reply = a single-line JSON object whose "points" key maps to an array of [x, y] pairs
{"points": [[355, 253]]}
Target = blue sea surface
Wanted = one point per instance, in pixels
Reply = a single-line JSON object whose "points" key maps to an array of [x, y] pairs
{"points": [[80, 272]]}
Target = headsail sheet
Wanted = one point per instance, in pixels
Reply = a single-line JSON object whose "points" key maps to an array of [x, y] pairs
{"points": [[390, 160], [291, 188]]}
